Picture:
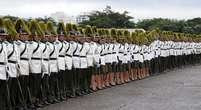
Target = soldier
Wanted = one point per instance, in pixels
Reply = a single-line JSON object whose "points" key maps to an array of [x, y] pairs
{"points": [[24, 51], [4, 90], [77, 46], [86, 61], [48, 30], [94, 57], [107, 52], [127, 56], [61, 47], [71, 46], [53, 68], [120, 56], [114, 48], [102, 59], [36, 52], [97, 81], [16, 96], [115, 56]]}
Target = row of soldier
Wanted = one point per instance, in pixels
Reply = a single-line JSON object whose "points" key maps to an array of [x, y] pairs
{"points": [[42, 64]]}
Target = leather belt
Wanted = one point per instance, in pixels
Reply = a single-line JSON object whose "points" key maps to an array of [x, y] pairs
{"points": [[82, 56], [68, 55], [35, 58], [2, 63], [53, 58], [61, 55], [10, 61], [24, 59], [45, 59], [76, 56]]}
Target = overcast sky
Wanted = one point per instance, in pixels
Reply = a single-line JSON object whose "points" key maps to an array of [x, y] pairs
{"points": [[139, 9]]}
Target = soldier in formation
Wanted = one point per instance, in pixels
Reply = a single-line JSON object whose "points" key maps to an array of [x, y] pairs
{"points": [[42, 63]]}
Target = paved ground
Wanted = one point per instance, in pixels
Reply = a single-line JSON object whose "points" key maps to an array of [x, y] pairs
{"points": [[179, 89]]}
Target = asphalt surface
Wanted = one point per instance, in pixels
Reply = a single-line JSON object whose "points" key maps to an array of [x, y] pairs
{"points": [[178, 89]]}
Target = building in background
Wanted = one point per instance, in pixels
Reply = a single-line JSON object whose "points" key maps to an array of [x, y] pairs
{"points": [[81, 18], [62, 17]]}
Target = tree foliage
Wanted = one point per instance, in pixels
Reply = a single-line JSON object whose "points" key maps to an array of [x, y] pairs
{"points": [[192, 26], [109, 19]]}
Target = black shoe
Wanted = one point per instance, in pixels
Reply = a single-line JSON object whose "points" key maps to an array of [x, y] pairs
{"points": [[50, 101], [78, 94], [90, 91], [73, 95], [56, 101], [38, 105], [84, 93], [32, 107], [46, 103]]}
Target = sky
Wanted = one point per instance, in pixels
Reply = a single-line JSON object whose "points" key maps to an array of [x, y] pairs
{"points": [[139, 9]]}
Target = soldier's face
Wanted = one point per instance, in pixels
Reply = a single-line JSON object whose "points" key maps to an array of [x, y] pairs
{"points": [[61, 38], [2, 38], [37, 38]]}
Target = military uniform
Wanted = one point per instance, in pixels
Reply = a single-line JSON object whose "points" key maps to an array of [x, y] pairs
{"points": [[54, 69], [84, 64], [76, 67], [61, 47], [36, 51], [97, 77], [69, 73], [16, 96], [102, 64], [45, 73], [4, 90], [24, 62]]}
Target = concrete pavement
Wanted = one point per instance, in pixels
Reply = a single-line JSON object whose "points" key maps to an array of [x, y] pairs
{"points": [[179, 89]]}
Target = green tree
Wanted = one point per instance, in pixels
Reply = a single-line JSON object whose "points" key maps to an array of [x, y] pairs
{"points": [[109, 19]]}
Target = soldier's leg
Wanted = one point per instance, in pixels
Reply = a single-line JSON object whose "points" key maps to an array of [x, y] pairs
{"points": [[129, 73], [68, 83], [100, 79], [17, 95], [109, 76], [61, 80], [112, 74], [32, 90], [28, 92], [105, 80], [45, 87], [71, 81], [91, 72], [24, 89], [77, 80], [118, 81], [84, 83], [4, 96], [2, 101], [12, 91], [135, 70], [94, 78], [74, 79], [52, 84], [38, 78], [124, 73]]}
